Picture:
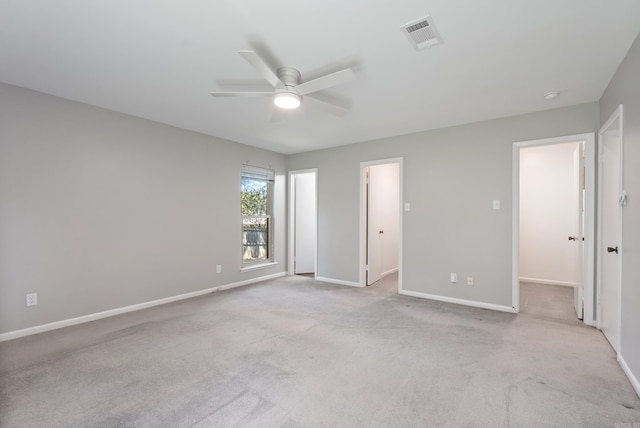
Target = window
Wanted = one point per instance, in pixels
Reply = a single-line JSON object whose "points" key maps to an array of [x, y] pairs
{"points": [[257, 221]]}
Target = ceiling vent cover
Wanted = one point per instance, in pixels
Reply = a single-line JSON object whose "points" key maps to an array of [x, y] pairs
{"points": [[422, 33]]}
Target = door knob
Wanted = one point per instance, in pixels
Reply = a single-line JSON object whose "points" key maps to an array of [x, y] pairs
{"points": [[612, 250], [381, 231], [572, 238]]}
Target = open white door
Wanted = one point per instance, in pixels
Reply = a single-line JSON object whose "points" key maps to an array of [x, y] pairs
{"points": [[609, 227], [305, 223], [303, 229], [578, 232], [375, 231]]}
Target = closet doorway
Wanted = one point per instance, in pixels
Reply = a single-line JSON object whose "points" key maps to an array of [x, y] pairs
{"points": [[553, 218]]}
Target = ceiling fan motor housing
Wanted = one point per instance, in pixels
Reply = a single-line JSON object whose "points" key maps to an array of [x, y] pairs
{"points": [[289, 76], [288, 97]]}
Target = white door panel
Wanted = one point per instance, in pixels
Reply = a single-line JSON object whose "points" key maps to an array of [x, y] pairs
{"points": [[609, 244], [375, 231], [305, 223]]}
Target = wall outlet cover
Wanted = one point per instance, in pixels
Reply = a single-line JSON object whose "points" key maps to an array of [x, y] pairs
{"points": [[32, 299]]}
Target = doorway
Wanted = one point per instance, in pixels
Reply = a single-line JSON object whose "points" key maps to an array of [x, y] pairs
{"points": [[303, 222], [380, 220], [551, 218], [553, 221], [611, 199]]}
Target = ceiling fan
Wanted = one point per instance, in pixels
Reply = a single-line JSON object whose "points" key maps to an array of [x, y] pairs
{"points": [[289, 92]]}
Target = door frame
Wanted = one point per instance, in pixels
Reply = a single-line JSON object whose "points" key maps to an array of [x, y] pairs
{"points": [[363, 217], [292, 216], [617, 115], [589, 219]]}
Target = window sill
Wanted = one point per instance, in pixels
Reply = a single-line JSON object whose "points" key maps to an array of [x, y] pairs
{"points": [[258, 266]]}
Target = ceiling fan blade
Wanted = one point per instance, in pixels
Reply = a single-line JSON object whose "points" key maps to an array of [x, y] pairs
{"points": [[323, 105], [240, 94], [327, 81], [262, 68]]}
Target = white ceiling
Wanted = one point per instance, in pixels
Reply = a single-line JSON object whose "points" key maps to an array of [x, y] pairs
{"points": [[159, 59]]}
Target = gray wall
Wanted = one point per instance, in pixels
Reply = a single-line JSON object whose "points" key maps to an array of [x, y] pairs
{"points": [[450, 178], [100, 210], [624, 88]]}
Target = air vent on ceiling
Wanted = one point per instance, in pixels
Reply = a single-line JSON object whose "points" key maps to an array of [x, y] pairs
{"points": [[422, 33]]}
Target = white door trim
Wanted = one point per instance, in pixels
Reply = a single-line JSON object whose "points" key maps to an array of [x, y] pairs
{"points": [[363, 218], [615, 116], [292, 207], [589, 218]]}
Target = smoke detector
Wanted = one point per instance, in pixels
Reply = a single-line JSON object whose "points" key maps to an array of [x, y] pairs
{"points": [[422, 33]]}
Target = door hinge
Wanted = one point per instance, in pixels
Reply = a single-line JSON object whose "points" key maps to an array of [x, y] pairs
{"points": [[623, 199], [366, 268]]}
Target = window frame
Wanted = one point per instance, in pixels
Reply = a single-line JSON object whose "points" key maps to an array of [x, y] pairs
{"points": [[268, 177]]}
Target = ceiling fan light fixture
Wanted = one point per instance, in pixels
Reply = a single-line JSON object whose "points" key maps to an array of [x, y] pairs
{"points": [[287, 100]]}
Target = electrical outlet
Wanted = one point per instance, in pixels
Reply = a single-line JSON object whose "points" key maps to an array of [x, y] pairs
{"points": [[32, 299], [454, 277], [218, 268], [469, 280]]}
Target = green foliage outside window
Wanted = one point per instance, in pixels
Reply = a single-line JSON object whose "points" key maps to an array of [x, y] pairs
{"points": [[254, 197]]}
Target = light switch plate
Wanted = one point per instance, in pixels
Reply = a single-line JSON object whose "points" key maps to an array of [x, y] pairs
{"points": [[496, 204]]}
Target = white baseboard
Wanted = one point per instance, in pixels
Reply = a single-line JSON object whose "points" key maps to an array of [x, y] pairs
{"points": [[629, 373], [112, 312], [338, 281], [351, 283], [459, 301], [389, 272], [549, 282]]}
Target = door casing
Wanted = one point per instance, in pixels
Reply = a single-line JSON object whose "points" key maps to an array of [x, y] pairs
{"points": [[363, 217], [578, 182]]}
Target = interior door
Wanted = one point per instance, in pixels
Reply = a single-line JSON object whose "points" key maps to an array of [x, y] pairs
{"points": [[610, 233], [578, 232], [305, 223], [375, 232]]}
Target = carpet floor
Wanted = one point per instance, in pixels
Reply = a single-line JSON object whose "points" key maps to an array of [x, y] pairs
{"points": [[293, 352]]}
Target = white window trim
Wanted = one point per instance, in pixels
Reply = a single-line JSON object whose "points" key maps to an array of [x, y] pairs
{"points": [[258, 266]]}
